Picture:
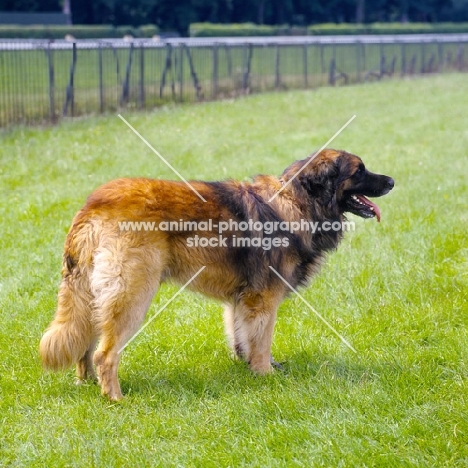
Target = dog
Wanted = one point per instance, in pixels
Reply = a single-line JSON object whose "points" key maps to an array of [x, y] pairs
{"points": [[111, 273]]}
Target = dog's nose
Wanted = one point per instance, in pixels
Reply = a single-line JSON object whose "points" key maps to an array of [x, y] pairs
{"points": [[390, 183]]}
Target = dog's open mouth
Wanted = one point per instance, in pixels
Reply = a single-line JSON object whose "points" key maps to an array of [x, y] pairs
{"points": [[362, 206]]}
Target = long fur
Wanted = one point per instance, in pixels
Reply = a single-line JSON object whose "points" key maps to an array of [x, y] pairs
{"points": [[111, 275]]}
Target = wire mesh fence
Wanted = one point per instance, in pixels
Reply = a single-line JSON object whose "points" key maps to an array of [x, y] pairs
{"points": [[43, 81]]}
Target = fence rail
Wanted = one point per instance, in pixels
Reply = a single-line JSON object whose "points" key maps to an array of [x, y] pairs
{"points": [[43, 81]]}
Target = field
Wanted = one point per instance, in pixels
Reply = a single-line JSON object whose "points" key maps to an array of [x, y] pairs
{"points": [[396, 290]]}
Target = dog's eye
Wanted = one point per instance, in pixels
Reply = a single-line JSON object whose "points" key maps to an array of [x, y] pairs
{"points": [[360, 170]]}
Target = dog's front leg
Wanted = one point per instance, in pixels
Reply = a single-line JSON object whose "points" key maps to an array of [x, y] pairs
{"points": [[255, 317]]}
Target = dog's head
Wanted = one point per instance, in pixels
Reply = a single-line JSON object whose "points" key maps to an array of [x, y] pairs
{"points": [[339, 181]]}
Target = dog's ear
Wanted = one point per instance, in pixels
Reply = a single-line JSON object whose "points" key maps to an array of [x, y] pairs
{"points": [[321, 175], [320, 179], [346, 167]]}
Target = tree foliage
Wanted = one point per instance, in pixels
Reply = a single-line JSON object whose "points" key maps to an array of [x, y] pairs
{"points": [[178, 14]]}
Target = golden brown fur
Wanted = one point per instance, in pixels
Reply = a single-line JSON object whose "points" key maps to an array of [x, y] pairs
{"points": [[111, 275]]}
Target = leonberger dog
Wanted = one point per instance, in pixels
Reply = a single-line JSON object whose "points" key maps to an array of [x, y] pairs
{"points": [[111, 273]]}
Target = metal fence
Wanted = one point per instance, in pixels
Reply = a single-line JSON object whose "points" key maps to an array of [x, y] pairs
{"points": [[44, 81]]}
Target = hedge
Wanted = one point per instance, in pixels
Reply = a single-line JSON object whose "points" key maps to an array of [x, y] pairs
{"points": [[237, 30], [250, 29], [226, 30], [78, 31], [388, 28], [216, 30]]}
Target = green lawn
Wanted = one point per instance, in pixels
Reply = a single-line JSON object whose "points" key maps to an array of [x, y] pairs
{"points": [[396, 290]]}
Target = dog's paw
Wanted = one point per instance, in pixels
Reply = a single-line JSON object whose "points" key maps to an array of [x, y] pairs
{"points": [[88, 380], [277, 365], [79, 381]]}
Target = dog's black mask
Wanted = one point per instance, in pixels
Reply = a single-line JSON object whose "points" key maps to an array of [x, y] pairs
{"points": [[352, 193]]}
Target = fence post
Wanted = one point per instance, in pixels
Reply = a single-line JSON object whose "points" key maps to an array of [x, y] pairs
{"points": [[72, 81], [331, 75], [167, 66], [228, 58], [277, 67], [364, 65], [403, 59], [174, 69], [70, 92], [126, 84], [141, 94], [306, 78], [423, 57], [196, 82], [322, 62], [215, 70], [247, 63], [358, 61], [440, 55], [460, 61], [332, 78], [51, 84], [181, 72], [101, 84], [382, 60]]}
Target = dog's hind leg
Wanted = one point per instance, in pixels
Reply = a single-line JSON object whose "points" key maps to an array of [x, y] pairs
{"points": [[85, 367], [124, 281], [121, 324]]}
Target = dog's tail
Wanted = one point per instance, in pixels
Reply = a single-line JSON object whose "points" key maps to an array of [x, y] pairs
{"points": [[68, 337]]}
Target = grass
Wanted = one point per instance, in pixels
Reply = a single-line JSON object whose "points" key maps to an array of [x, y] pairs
{"points": [[396, 290]]}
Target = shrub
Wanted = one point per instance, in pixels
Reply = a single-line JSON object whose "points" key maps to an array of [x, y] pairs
{"points": [[77, 31], [250, 29]]}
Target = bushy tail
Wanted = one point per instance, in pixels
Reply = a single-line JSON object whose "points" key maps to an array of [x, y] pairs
{"points": [[69, 335]]}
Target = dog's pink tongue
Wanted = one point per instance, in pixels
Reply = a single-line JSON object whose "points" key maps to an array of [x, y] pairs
{"points": [[374, 207]]}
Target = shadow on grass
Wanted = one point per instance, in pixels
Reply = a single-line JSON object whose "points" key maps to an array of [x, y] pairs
{"points": [[232, 376]]}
